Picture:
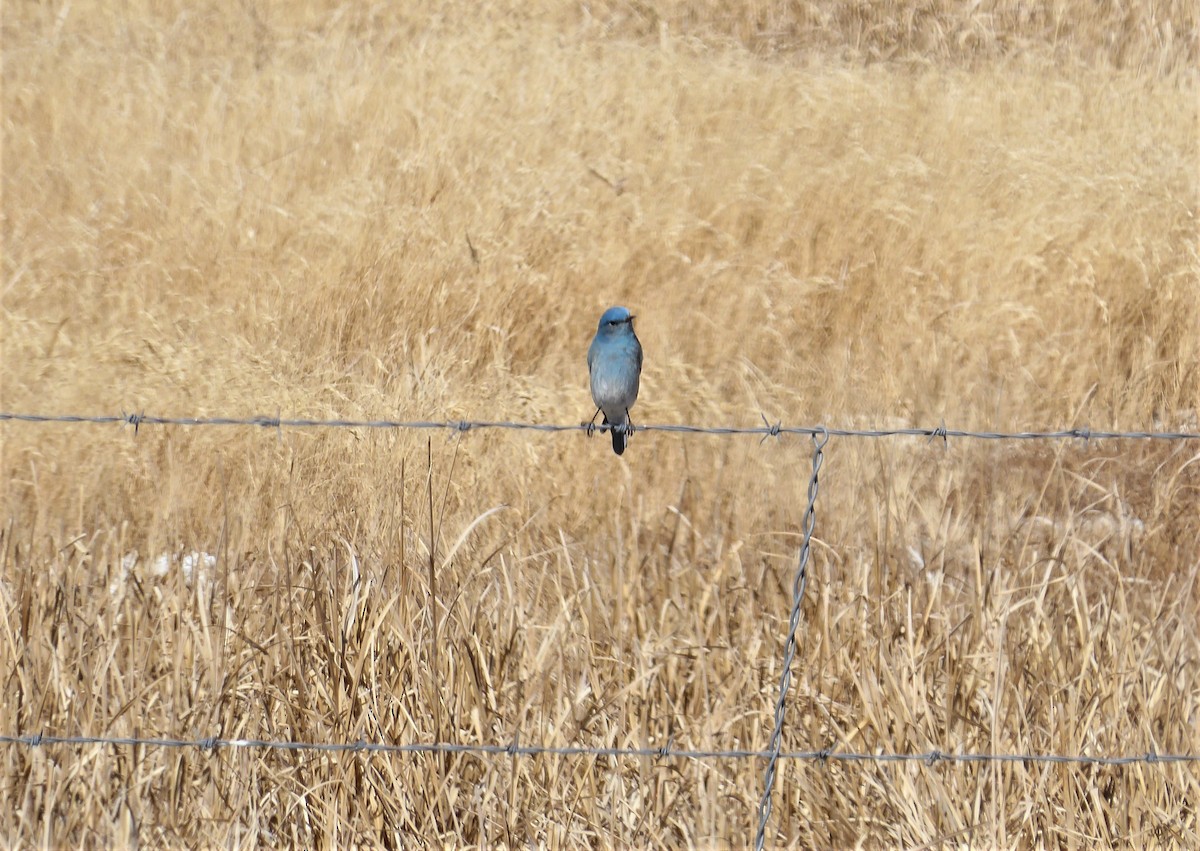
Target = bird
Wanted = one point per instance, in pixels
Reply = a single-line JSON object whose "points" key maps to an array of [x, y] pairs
{"points": [[615, 367]]}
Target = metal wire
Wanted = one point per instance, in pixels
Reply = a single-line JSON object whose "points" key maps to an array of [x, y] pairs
{"points": [[515, 748], [773, 753], [789, 652], [768, 429]]}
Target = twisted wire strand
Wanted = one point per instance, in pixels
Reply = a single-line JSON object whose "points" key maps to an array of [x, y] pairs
{"points": [[928, 758], [789, 652], [766, 430]]}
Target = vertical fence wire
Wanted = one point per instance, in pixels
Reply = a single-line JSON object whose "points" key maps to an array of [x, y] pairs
{"points": [[789, 652]]}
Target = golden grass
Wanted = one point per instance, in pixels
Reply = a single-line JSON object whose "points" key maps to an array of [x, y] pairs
{"points": [[858, 214]]}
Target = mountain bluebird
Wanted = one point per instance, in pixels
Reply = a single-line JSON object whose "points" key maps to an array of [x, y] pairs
{"points": [[615, 365]]}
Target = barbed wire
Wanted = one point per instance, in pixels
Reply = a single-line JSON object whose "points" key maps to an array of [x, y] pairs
{"points": [[768, 429], [669, 751], [820, 436], [789, 646]]}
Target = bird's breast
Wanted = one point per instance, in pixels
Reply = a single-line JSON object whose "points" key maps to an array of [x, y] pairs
{"points": [[614, 380]]}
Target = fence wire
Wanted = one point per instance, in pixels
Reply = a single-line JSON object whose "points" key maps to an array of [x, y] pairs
{"points": [[789, 649], [820, 436], [516, 749], [768, 429]]}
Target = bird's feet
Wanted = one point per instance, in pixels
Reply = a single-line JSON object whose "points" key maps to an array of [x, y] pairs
{"points": [[590, 428]]}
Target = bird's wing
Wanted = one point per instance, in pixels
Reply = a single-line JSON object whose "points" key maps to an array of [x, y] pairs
{"points": [[638, 348]]}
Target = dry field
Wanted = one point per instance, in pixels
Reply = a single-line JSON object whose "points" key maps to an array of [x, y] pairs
{"points": [[858, 214]]}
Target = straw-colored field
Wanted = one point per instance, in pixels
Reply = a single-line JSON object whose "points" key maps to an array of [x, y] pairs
{"points": [[859, 214]]}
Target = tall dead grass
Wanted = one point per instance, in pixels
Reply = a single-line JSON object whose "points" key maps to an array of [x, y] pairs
{"points": [[856, 214]]}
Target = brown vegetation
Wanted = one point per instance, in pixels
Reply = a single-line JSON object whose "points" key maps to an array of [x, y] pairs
{"points": [[873, 213]]}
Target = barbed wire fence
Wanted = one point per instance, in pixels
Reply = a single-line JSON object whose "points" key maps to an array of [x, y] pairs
{"points": [[820, 436]]}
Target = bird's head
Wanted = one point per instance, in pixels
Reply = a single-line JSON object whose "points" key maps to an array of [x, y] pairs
{"points": [[615, 320]]}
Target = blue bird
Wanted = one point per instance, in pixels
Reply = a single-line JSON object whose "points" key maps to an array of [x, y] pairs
{"points": [[615, 365]]}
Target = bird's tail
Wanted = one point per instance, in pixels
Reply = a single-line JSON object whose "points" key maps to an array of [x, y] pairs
{"points": [[619, 437]]}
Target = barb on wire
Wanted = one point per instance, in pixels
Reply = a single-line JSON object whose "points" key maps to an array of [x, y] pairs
{"points": [[789, 651], [766, 430], [668, 751], [770, 430]]}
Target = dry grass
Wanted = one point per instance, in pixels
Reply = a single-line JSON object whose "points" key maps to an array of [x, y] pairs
{"points": [[866, 213]]}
